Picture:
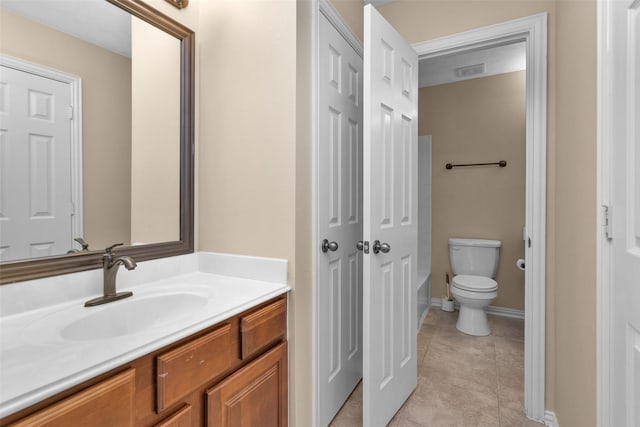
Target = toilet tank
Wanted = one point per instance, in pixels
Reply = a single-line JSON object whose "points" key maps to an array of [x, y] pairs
{"points": [[476, 257]]}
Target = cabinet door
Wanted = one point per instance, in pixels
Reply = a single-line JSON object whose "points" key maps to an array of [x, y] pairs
{"points": [[182, 418], [255, 395], [106, 404]]}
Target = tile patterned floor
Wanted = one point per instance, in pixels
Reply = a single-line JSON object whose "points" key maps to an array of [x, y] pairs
{"points": [[462, 380]]}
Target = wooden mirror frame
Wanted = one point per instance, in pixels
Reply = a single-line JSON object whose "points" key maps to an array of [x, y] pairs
{"points": [[18, 271]]}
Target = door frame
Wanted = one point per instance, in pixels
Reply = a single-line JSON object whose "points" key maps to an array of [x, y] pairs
{"points": [[75, 87], [604, 279], [533, 31], [320, 7], [603, 185]]}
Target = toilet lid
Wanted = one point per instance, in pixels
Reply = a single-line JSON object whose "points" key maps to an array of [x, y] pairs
{"points": [[474, 283]]}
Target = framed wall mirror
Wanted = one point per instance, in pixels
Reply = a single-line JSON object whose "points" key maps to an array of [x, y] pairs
{"points": [[96, 135]]}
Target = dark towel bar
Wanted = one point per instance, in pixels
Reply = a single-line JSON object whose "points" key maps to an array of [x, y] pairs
{"points": [[501, 163]]}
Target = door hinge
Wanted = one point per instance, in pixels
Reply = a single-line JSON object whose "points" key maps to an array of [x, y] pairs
{"points": [[70, 112], [607, 222], [73, 208]]}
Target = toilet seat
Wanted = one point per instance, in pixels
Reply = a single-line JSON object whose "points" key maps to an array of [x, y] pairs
{"points": [[474, 283]]}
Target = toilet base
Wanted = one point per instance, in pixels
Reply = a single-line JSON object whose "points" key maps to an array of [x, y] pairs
{"points": [[473, 321]]}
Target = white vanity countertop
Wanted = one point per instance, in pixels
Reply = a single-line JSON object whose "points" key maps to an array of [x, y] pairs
{"points": [[37, 361]]}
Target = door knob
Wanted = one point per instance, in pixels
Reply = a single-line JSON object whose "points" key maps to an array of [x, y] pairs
{"points": [[363, 245], [329, 246], [380, 247]]}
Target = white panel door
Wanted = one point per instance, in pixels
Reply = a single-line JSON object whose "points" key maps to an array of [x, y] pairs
{"points": [[35, 166], [339, 313], [390, 219], [625, 192]]}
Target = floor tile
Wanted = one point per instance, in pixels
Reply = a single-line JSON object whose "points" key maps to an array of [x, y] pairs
{"points": [[462, 380]]}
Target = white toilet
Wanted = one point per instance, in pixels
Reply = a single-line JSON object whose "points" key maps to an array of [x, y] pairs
{"points": [[474, 263]]}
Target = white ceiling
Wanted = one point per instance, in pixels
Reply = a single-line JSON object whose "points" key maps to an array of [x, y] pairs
{"points": [[496, 60], [95, 21]]}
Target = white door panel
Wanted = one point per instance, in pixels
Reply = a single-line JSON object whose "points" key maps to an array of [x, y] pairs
{"points": [[390, 213], [35, 162], [339, 314], [625, 192]]}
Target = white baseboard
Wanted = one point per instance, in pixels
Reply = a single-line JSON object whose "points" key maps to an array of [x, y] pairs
{"points": [[550, 419], [497, 311], [506, 312]]}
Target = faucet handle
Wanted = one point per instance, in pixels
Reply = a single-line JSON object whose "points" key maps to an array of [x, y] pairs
{"points": [[110, 248], [81, 241]]}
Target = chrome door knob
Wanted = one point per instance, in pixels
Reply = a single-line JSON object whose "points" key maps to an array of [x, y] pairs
{"points": [[329, 246], [363, 245], [381, 247]]}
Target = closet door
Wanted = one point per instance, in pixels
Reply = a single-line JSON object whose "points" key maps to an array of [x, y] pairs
{"points": [[339, 290], [623, 96], [390, 219]]}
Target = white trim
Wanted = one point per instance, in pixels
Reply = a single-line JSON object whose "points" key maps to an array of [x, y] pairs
{"points": [[496, 311], [333, 16], [315, 240], [603, 189], [506, 312], [550, 419], [533, 31], [75, 87]]}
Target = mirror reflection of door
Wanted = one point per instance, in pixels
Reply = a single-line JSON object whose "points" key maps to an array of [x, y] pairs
{"points": [[128, 165], [36, 205]]}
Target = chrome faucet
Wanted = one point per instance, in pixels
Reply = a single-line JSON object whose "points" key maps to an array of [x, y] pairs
{"points": [[110, 268]]}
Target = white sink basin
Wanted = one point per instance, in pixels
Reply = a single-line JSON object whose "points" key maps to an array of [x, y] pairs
{"points": [[132, 315]]}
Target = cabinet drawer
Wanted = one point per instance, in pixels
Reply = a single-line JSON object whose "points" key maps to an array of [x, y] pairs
{"points": [[263, 327], [108, 403], [191, 365], [182, 418]]}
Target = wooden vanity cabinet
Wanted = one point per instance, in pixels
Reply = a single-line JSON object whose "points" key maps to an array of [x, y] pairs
{"points": [[106, 404], [255, 395], [182, 418], [232, 373]]}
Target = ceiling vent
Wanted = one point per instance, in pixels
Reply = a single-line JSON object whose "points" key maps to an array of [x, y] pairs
{"points": [[470, 71]]}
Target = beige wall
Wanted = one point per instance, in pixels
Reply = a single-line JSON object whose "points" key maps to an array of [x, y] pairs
{"points": [[475, 121], [155, 130], [571, 221], [106, 121], [301, 324], [247, 135], [352, 14], [248, 177], [576, 222]]}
